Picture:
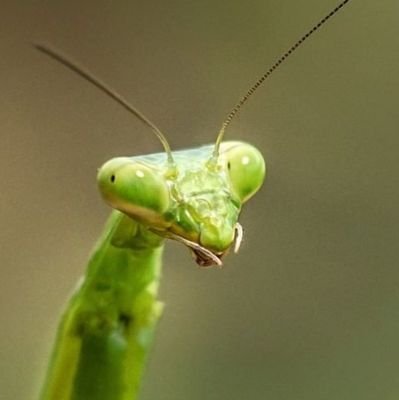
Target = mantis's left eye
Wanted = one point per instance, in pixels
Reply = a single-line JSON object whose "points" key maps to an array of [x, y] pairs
{"points": [[246, 168]]}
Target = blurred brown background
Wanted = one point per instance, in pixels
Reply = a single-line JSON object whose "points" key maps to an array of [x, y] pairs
{"points": [[309, 309]]}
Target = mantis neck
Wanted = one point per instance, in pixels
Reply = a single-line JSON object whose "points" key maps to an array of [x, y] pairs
{"points": [[109, 323]]}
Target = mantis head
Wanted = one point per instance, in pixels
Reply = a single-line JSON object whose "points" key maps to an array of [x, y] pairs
{"points": [[193, 196], [198, 205]]}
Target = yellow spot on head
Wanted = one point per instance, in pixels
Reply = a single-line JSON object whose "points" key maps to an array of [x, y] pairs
{"points": [[140, 173]]}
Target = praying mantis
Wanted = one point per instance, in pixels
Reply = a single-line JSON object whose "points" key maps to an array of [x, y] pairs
{"points": [[191, 196]]}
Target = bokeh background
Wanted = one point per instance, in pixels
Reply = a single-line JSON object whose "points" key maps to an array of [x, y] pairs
{"points": [[309, 309]]}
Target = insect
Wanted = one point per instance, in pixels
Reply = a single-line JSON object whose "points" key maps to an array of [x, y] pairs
{"points": [[192, 196]]}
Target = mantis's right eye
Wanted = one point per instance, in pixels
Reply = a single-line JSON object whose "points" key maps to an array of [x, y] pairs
{"points": [[125, 184]]}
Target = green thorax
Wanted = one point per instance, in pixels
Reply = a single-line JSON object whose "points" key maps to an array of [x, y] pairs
{"points": [[109, 322]]}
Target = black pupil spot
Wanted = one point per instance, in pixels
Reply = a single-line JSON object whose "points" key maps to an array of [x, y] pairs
{"points": [[112, 178], [228, 165]]}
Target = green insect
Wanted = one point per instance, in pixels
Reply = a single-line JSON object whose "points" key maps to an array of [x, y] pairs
{"points": [[191, 196]]}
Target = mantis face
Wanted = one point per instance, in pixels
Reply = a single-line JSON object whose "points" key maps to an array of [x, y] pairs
{"points": [[199, 204], [193, 196]]}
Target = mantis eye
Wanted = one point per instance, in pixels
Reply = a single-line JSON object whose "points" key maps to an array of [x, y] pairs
{"points": [[246, 168], [130, 186]]}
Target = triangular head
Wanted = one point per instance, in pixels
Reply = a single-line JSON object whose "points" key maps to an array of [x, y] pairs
{"points": [[198, 202]]}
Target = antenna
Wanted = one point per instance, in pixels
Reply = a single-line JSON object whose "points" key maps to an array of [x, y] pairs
{"points": [[259, 82], [64, 60]]}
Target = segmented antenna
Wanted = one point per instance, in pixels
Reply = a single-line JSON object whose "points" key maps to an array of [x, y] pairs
{"points": [[259, 82], [64, 60]]}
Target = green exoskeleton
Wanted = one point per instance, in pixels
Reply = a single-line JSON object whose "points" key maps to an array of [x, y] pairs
{"points": [[195, 200], [192, 196]]}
